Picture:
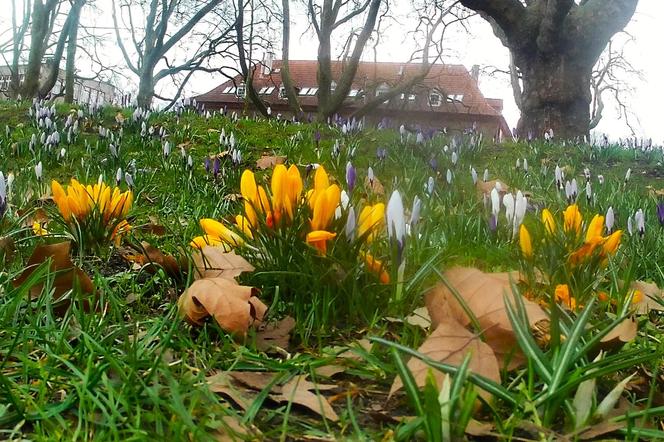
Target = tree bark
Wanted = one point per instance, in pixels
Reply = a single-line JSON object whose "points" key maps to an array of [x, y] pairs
{"points": [[70, 67], [556, 95], [555, 44], [39, 34], [293, 102]]}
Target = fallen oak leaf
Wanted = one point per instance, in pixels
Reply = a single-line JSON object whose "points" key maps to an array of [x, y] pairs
{"points": [[449, 343], [214, 262], [269, 161], [483, 294], [624, 332], [652, 299], [234, 307], [67, 275], [274, 335], [298, 391], [223, 383], [374, 186], [153, 255]]}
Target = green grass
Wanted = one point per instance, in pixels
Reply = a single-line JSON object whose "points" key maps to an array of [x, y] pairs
{"points": [[133, 370]]}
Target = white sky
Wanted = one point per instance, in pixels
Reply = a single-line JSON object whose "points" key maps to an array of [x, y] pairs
{"points": [[481, 47]]}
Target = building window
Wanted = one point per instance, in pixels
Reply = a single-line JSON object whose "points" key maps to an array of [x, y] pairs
{"points": [[304, 91], [312, 91], [241, 91], [411, 97], [383, 89], [455, 98], [435, 99], [333, 86], [229, 90], [267, 90], [353, 93], [282, 93]]}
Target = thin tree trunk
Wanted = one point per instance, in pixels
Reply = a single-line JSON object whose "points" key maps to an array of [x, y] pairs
{"points": [[70, 68], [293, 102]]}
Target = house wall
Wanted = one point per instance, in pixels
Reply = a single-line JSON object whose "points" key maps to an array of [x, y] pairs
{"points": [[455, 123]]}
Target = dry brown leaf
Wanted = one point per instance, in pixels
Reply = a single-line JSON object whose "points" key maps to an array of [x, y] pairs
{"points": [[256, 380], [624, 332], [328, 371], [374, 186], [67, 275], [269, 161], [449, 343], [223, 383], [483, 293], [233, 306], [154, 256], [420, 318], [479, 429], [299, 391], [7, 249], [234, 431], [485, 187], [650, 293], [214, 262], [274, 335]]}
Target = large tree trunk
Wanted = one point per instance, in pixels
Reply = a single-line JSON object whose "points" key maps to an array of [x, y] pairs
{"points": [[555, 44], [39, 34], [555, 95]]}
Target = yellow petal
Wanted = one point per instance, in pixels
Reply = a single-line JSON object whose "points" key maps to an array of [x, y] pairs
{"points": [[326, 204], [573, 219], [207, 240], [214, 228], [244, 225], [595, 228], [248, 186], [525, 242], [370, 220], [612, 242], [319, 238], [549, 222], [60, 198]]}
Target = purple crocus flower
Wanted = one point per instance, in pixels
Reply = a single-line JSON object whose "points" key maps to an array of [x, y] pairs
{"points": [[493, 222], [216, 167], [433, 162], [351, 176], [207, 164], [3, 195], [381, 153], [660, 212]]}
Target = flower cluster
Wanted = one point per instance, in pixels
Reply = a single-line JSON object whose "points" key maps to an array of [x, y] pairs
{"points": [[568, 256], [94, 214], [287, 206]]}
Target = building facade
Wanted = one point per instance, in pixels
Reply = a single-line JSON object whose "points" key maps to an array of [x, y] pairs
{"points": [[86, 91], [447, 98]]}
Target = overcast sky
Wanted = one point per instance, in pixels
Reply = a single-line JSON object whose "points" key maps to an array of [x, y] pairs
{"points": [[481, 47]]}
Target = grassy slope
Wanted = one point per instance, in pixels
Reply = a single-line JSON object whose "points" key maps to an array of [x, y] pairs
{"points": [[135, 372]]}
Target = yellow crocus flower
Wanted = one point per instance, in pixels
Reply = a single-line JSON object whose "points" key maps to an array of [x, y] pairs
{"points": [[60, 198], [321, 183], [572, 218], [548, 221], [244, 225], [214, 228], [612, 243], [370, 220], [525, 242], [207, 240], [376, 266], [319, 239], [326, 204], [595, 228]]}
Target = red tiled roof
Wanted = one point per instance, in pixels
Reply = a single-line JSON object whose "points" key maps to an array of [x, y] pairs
{"points": [[448, 79]]}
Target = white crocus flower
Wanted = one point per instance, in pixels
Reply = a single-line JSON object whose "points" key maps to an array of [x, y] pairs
{"points": [[396, 224], [473, 174], [640, 220], [118, 176], [350, 223], [628, 175], [449, 176], [495, 202], [430, 185], [520, 206], [485, 178], [508, 202], [415, 212], [38, 170], [525, 165], [609, 220], [630, 226]]}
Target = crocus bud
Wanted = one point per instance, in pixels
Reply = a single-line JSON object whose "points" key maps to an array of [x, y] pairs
{"points": [[129, 179], [485, 178], [640, 222], [473, 174], [351, 176], [449, 176], [628, 175], [118, 176], [508, 202], [495, 202], [660, 212], [430, 185], [350, 224], [396, 224], [415, 212], [38, 171], [609, 220]]}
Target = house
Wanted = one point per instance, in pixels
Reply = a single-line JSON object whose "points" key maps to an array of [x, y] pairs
{"points": [[86, 91], [448, 97]]}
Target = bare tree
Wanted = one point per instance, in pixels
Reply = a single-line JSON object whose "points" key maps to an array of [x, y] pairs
{"points": [[153, 45], [325, 19], [611, 75], [555, 44], [17, 44]]}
